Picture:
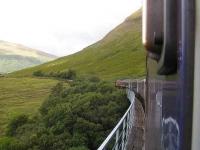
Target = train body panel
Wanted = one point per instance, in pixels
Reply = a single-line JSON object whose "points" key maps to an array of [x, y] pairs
{"points": [[169, 100]]}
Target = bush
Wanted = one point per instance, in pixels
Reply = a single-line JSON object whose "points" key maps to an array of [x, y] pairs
{"points": [[15, 123], [71, 74], [38, 73], [77, 117], [7, 143], [68, 75], [94, 79]]}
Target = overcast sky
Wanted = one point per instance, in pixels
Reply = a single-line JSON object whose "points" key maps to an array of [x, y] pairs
{"points": [[61, 27]]}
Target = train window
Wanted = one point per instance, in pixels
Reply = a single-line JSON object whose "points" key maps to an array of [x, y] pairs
{"points": [[153, 27], [160, 33]]}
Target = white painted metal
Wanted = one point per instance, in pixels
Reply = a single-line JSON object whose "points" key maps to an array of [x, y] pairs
{"points": [[122, 130], [117, 139], [123, 134]]}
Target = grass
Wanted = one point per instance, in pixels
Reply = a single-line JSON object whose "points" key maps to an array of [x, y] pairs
{"points": [[21, 96], [119, 54]]}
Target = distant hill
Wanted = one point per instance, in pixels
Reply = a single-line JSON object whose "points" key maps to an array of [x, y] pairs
{"points": [[119, 54], [15, 57]]}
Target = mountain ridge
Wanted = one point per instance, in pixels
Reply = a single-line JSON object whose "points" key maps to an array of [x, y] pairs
{"points": [[119, 54], [15, 57], [6, 44]]}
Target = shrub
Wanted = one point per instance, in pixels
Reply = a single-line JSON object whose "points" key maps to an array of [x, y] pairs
{"points": [[68, 75], [94, 79], [38, 73], [76, 117], [71, 74], [57, 90], [7, 143], [15, 123]]}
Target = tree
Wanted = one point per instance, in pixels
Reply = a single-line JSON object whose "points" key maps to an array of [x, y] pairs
{"points": [[38, 73]]}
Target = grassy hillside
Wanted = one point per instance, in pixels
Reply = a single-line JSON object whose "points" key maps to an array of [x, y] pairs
{"points": [[119, 54], [21, 96], [14, 57], [97, 107]]}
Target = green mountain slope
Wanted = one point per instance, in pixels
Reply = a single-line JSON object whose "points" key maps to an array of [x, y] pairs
{"points": [[14, 57], [119, 54]]}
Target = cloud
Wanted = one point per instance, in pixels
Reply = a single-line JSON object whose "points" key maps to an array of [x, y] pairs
{"points": [[61, 27]]}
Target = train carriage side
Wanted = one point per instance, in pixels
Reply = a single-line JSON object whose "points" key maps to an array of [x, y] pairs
{"points": [[169, 37]]}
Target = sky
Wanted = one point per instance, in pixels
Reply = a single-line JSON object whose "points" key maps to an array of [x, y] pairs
{"points": [[61, 27]]}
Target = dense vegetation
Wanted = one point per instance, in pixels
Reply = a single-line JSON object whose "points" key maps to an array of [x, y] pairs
{"points": [[75, 117], [67, 75], [119, 54]]}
